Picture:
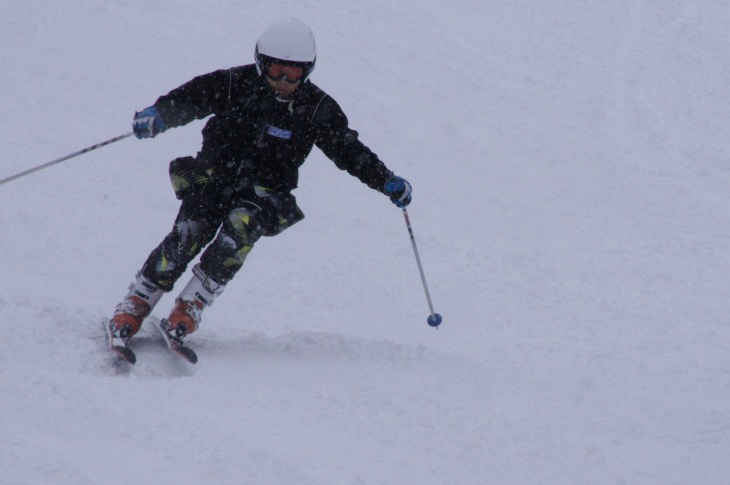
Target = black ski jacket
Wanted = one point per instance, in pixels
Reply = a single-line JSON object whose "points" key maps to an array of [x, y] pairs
{"points": [[256, 137]]}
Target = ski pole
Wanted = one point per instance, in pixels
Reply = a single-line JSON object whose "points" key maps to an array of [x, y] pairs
{"points": [[434, 319], [59, 160]]}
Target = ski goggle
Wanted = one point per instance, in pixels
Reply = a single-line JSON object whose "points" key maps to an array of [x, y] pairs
{"points": [[285, 72]]}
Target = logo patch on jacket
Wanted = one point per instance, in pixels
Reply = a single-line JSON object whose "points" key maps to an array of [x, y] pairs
{"points": [[279, 132]]}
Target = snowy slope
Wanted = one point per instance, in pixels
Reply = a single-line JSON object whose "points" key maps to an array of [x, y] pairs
{"points": [[571, 179]]}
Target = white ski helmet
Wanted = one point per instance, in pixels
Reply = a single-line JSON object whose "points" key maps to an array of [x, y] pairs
{"points": [[289, 41]]}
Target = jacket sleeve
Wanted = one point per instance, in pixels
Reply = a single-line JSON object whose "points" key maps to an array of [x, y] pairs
{"points": [[340, 144], [196, 99]]}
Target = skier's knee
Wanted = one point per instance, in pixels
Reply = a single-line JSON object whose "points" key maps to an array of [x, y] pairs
{"points": [[243, 225]]}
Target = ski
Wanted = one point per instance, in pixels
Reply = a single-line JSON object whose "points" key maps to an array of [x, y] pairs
{"points": [[174, 343], [119, 346]]}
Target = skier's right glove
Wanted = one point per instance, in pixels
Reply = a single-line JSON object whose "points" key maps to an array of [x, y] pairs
{"points": [[148, 123], [399, 191]]}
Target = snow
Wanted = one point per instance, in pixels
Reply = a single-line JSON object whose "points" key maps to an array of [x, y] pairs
{"points": [[570, 170]]}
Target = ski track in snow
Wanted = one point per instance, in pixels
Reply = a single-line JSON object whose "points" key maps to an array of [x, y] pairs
{"points": [[371, 406]]}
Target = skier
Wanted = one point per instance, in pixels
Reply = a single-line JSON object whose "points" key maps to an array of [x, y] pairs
{"points": [[266, 118]]}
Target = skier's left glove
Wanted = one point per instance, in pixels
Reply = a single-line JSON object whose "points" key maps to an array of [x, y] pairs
{"points": [[399, 191], [148, 123]]}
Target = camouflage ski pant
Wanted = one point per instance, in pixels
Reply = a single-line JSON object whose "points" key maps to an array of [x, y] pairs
{"points": [[239, 221]]}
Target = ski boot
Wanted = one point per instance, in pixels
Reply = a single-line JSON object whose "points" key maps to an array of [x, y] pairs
{"points": [[130, 313], [186, 315]]}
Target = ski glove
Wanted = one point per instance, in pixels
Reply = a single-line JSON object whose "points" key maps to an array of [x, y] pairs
{"points": [[148, 123], [399, 191]]}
